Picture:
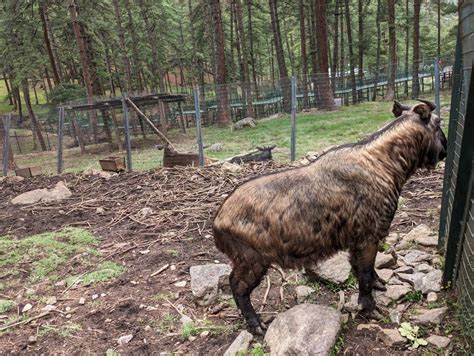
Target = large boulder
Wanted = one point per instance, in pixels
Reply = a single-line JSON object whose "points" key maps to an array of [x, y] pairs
{"points": [[306, 329], [247, 122], [207, 281], [240, 344], [58, 193], [335, 269]]}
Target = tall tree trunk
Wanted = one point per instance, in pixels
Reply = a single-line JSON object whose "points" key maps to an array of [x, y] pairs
{"points": [[342, 65], [392, 49], [150, 28], [81, 45], [284, 80], [304, 59], [11, 158], [351, 52], [31, 114], [326, 97], [123, 47], [223, 106], [377, 59], [9, 92], [137, 72], [361, 44], [415, 90], [251, 46], [407, 43], [244, 67], [48, 40], [335, 59]]}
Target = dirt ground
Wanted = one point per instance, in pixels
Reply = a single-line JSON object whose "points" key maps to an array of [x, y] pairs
{"points": [[173, 235]]}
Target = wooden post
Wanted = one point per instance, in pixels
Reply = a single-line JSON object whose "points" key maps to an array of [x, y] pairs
{"points": [[60, 139], [293, 119], [18, 142], [6, 143], [127, 132], [183, 123], [47, 138], [116, 130], [78, 131], [198, 124], [437, 89]]}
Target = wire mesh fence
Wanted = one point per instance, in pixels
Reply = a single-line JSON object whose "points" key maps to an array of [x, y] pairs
{"points": [[93, 129]]}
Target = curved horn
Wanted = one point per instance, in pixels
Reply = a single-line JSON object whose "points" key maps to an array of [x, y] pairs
{"points": [[430, 104], [399, 108]]}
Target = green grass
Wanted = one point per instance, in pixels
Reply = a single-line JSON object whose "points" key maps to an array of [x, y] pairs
{"points": [[6, 108], [64, 330], [45, 252], [6, 305], [195, 328], [105, 271]]}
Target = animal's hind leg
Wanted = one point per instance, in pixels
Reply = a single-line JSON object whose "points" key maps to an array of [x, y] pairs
{"points": [[362, 261], [243, 280]]}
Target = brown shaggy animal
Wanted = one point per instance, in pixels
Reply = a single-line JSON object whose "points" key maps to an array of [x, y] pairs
{"points": [[345, 200]]}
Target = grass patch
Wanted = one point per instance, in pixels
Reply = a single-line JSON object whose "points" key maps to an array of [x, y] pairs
{"points": [[413, 296], [167, 323], [106, 271], [6, 305], [45, 252], [194, 328], [258, 350], [64, 330]]}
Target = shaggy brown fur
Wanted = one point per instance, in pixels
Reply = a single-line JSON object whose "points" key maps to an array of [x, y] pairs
{"points": [[345, 200]]}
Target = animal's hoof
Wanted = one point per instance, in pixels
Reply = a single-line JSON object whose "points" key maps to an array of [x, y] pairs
{"points": [[258, 327], [372, 315], [257, 331], [379, 285]]}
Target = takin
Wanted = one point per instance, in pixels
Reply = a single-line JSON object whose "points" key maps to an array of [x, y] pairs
{"points": [[344, 200]]}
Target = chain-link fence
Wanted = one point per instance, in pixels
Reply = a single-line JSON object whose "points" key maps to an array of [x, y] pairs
{"points": [[89, 130], [457, 214]]}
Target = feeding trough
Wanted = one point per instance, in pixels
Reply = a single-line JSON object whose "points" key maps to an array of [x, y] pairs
{"points": [[173, 158], [28, 172], [112, 164]]}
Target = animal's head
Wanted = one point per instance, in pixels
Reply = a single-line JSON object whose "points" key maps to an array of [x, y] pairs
{"points": [[434, 135]]}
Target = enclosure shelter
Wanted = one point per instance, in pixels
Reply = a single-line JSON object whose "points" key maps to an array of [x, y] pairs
{"points": [[457, 213]]}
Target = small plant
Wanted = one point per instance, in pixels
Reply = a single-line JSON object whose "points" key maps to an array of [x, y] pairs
{"points": [[386, 247], [258, 350], [413, 296], [338, 346], [172, 253], [193, 329], [412, 335], [6, 305], [62, 330]]}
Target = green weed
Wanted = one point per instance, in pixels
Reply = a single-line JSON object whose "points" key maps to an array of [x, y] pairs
{"points": [[64, 330], [195, 328], [258, 350], [413, 296], [6, 305]]}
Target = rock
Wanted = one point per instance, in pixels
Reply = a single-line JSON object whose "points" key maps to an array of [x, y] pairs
{"points": [[397, 313], [414, 235], [306, 329], [185, 319], [423, 268], [231, 167], [415, 279], [431, 297], [392, 337], [247, 122], [26, 307], [439, 341], [48, 308], [240, 345], [14, 179], [82, 301], [303, 292], [335, 269], [32, 339], [106, 175], [352, 306], [429, 241], [432, 282], [429, 317], [404, 269], [216, 147], [51, 300], [204, 334], [100, 210], [385, 260], [95, 296], [413, 257], [206, 281], [180, 284], [59, 192], [145, 212], [392, 238], [370, 326], [384, 274], [395, 281], [393, 293], [125, 339]]}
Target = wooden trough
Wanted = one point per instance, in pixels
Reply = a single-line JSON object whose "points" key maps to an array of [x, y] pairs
{"points": [[173, 158], [28, 171], [112, 164]]}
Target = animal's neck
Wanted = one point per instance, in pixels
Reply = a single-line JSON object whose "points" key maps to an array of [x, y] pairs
{"points": [[396, 155]]}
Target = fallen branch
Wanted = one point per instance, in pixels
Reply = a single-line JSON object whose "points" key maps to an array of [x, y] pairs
{"points": [[160, 270], [23, 322]]}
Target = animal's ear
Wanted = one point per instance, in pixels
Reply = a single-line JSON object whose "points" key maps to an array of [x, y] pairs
{"points": [[424, 111], [399, 108]]}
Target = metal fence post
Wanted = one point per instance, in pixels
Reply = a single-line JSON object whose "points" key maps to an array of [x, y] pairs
{"points": [[293, 119], [127, 133], [60, 139], [198, 124], [437, 86], [6, 142]]}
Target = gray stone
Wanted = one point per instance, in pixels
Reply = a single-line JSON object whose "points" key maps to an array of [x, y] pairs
{"points": [[335, 269], [395, 281], [303, 292], [370, 326], [125, 339], [424, 268], [431, 297], [396, 292], [429, 241], [32, 339], [385, 274], [352, 306], [432, 282], [392, 238], [397, 313], [415, 279], [240, 344], [59, 192], [413, 257], [231, 167], [439, 341], [429, 317], [385, 260], [392, 337], [216, 147], [246, 122], [206, 281], [306, 329], [404, 269], [415, 234]]}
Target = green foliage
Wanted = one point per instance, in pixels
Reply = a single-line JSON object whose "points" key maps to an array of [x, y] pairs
{"points": [[411, 333], [65, 92], [64, 330], [45, 252], [6, 305], [338, 346], [413, 296], [195, 328]]}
